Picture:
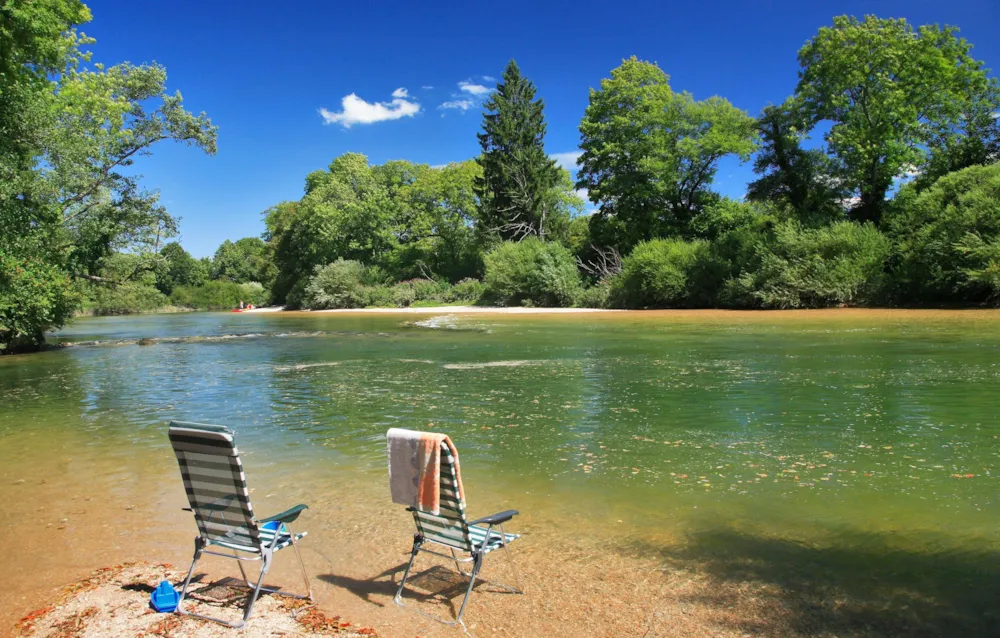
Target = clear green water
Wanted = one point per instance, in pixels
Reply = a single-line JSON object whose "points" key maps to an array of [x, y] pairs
{"points": [[875, 433]]}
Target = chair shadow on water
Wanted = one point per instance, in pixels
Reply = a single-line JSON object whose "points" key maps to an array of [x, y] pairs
{"points": [[861, 585]]}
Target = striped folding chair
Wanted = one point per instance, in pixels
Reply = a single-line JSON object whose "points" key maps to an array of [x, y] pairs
{"points": [[451, 530], [217, 491]]}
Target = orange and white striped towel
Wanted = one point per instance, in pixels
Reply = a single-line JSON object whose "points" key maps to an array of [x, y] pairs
{"points": [[415, 468]]}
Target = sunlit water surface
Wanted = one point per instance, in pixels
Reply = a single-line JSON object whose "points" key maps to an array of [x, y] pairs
{"points": [[630, 427]]}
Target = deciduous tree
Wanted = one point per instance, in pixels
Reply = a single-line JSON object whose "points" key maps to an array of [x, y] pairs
{"points": [[887, 90], [650, 154]]}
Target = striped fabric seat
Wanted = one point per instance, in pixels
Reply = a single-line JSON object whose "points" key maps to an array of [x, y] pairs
{"points": [[216, 487], [267, 539], [450, 527]]}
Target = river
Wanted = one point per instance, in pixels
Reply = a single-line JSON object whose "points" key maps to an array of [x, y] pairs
{"points": [[814, 471]]}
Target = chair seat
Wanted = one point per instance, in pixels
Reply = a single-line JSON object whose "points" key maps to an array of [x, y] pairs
{"points": [[478, 535], [266, 538]]}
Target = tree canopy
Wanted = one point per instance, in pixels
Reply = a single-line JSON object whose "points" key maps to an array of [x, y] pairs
{"points": [[650, 154], [887, 90], [72, 131], [517, 174]]}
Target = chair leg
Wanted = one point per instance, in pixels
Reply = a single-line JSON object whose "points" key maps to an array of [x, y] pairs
{"points": [[187, 579], [198, 547], [458, 565], [256, 591], [302, 565], [243, 572], [398, 598], [510, 559], [476, 565]]}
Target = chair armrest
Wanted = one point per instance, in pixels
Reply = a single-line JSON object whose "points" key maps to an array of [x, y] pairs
{"points": [[496, 519], [287, 516]]}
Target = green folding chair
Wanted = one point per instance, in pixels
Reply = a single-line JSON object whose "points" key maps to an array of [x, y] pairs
{"points": [[451, 530], [217, 491]]}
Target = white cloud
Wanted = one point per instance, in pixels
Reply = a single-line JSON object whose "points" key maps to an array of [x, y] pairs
{"points": [[427, 87], [569, 160], [489, 78], [357, 111], [400, 93], [464, 105], [583, 194], [474, 89]]}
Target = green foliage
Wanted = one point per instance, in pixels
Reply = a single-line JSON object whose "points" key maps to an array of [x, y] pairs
{"points": [[406, 293], [70, 197], [531, 272], [947, 238], [350, 284], [517, 174], [650, 154], [725, 216], [125, 299], [245, 260], [179, 269], [437, 226], [410, 219], [807, 181], [667, 273], [973, 141], [797, 267], [887, 89], [219, 295], [336, 285], [466, 291], [596, 296], [34, 295]]}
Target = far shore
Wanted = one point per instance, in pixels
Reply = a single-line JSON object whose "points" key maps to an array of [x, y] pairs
{"points": [[718, 314], [512, 310]]}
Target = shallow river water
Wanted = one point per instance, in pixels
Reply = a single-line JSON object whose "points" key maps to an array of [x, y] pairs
{"points": [[852, 454]]}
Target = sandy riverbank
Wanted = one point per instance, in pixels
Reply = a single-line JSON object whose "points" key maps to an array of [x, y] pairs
{"points": [[445, 309]]}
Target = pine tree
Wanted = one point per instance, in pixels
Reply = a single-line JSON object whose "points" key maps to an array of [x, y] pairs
{"points": [[517, 173]]}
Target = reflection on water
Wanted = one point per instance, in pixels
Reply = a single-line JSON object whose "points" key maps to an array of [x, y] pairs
{"points": [[821, 431]]}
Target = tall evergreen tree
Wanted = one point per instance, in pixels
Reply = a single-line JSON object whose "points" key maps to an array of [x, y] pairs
{"points": [[517, 173]]}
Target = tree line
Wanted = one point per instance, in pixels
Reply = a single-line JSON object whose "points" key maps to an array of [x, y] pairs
{"points": [[877, 184]]}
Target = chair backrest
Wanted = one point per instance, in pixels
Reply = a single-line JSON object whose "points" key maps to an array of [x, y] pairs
{"points": [[450, 526], [215, 483]]}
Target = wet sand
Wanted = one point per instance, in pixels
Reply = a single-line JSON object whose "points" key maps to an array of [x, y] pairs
{"points": [[77, 509]]}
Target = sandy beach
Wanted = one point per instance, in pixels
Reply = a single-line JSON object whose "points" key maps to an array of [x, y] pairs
{"points": [[446, 309]]}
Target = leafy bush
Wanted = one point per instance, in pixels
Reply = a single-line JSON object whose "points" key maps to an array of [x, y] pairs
{"points": [[468, 291], [219, 295], [947, 238], [531, 272], [417, 290], [379, 296], [667, 273], [336, 285], [34, 296], [596, 296], [124, 299], [796, 267]]}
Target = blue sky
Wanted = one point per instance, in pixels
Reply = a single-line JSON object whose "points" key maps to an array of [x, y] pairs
{"points": [[274, 76]]}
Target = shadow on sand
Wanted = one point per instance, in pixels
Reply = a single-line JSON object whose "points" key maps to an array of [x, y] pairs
{"points": [[436, 584], [862, 585]]}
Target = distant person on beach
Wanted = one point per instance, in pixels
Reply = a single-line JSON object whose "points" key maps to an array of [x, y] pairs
{"points": [[241, 304]]}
